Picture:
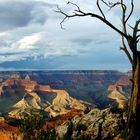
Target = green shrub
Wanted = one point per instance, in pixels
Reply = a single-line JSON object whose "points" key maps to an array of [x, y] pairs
{"points": [[116, 110], [31, 126], [68, 135], [80, 127]]}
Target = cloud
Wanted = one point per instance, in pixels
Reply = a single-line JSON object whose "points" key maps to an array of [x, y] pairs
{"points": [[30, 33], [16, 13], [19, 49], [27, 42]]}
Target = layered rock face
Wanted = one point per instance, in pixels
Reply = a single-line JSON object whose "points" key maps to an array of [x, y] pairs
{"points": [[26, 94], [120, 91], [19, 94], [100, 124], [8, 132], [91, 86], [119, 97]]}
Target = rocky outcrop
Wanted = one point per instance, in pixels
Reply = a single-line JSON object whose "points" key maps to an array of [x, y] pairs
{"points": [[120, 91], [99, 123], [61, 104], [8, 132], [63, 118], [119, 97], [121, 84], [28, 95], [2, 119], [90, 86]]}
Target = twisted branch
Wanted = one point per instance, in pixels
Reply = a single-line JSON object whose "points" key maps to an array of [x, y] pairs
{"points": [[136, 30], [79, 13], [124, 48], [98, 5], [131, 11]]}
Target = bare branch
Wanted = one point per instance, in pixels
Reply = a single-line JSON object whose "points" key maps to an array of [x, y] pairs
{"points": [[74, 5], [127, 53], [138, 40], [114, 4], [64, 19], [124, 48], [136, 30], [132, 9], [60, 11], [105, 3], [66, 15], [79, 13], [131, 27], [98, 5], [78, 8], [134, 39], [110, 4], [123, 6], [138, 36]]}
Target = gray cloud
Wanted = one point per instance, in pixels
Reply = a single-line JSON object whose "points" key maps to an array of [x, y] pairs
{"points": [[30, 31], [19, 14], [82, 41], [10, 53]]}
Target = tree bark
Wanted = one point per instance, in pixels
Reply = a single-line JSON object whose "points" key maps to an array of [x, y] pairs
{"points": [[134, 114]]}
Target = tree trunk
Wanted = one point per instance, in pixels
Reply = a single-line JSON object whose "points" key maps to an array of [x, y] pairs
{"points": [[134, 114]]}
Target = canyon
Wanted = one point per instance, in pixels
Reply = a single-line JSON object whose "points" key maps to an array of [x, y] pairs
{"points": [[62, 95]]}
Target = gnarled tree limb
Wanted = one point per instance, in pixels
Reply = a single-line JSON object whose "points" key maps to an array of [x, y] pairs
{"points": [[79, 13], [124, 48], [132, 9], [98, 5]]}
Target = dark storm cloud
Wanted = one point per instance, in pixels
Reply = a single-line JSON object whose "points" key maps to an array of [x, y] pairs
{"points": [[19, 14], [27, 64]]}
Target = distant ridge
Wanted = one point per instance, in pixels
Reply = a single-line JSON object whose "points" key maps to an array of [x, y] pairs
{"points": [[87, 85]]}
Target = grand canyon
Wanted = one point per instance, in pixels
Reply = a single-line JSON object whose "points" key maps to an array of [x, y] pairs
{"points": [[80, 96]]}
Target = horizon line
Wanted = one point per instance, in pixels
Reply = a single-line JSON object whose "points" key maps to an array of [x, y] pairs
{"points": [[64, 70]]}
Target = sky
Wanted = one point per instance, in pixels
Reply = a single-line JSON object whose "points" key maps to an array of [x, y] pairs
{"points": [[31, 37]]}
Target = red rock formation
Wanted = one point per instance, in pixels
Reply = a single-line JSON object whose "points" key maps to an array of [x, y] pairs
{"points": [[124, 81], [44, 88], [52, 124], [111, 87], [28, 85], [8, 132]]}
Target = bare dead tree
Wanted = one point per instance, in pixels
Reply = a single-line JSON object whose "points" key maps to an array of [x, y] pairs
{"points": [[129, 46]]}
